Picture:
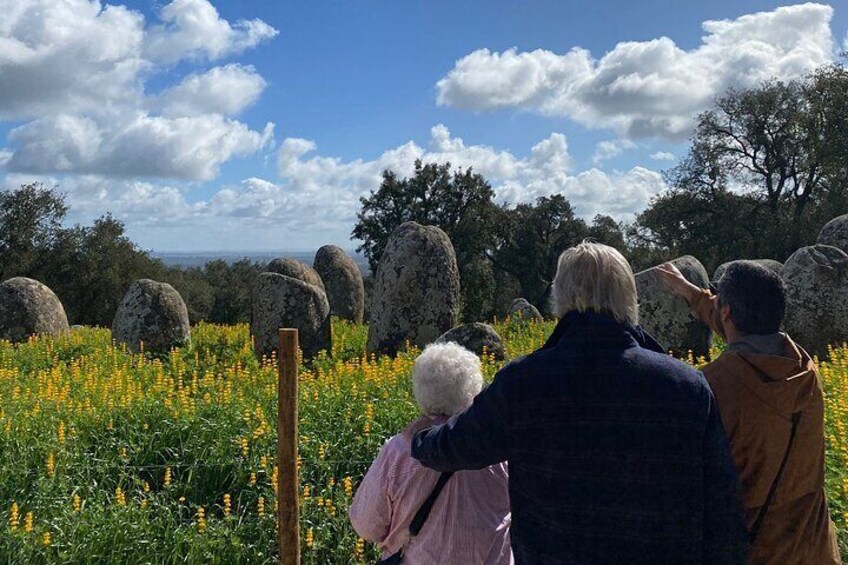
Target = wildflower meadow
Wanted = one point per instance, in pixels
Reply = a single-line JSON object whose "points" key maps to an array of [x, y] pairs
{"points": [[112, 457]]}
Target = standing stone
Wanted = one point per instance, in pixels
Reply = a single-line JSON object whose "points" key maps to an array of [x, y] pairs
{"points": [[295, 270], [523, 310], [285, 302], [476, 337], [343, 282], [28, 307], [769, 264], [416, 289], [816, 280], [667, 316], [835, 233], [154, 314]]}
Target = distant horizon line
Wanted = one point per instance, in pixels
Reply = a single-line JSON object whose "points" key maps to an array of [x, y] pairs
{"points": [[254, 251]]}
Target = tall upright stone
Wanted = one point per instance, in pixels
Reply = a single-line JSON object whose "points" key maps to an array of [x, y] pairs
{"points": [[667, 316], [152, 313], [835, 233], [28, 307], [769, 264], [296, 270], [342, 281], [816, 279], [416, 289], [285, 302]]}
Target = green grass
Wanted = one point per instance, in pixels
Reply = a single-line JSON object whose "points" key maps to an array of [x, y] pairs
{"points": [[106, 419]]}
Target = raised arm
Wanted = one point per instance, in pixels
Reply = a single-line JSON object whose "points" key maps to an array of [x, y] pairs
{"points": [[474, 439], [701, 301]]}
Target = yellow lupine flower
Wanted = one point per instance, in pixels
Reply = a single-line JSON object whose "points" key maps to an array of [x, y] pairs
{"points": [[260, 506], [28, 520], [227, 507], [14, 516], [46, 538], [76, 503]]}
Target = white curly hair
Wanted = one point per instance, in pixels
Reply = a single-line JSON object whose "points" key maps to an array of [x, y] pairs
{"points": [[445, 379]]}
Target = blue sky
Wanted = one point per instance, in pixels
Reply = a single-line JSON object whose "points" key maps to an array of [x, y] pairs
{"points": [[161, 112]]}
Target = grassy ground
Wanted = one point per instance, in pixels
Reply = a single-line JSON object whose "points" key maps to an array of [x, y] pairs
{"points": [[112, 457]]}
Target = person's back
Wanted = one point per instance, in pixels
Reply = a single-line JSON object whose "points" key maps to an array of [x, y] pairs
{"points": [[469, 522], [616, 451], [770, 398], [470, 519]]}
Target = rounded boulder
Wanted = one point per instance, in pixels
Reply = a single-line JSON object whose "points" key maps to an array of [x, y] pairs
{"points": [[835, 233], [667, 316], [27, 308], [476, 337], [296, 270], [520, 308], [154, 314], [285, 302], [816, 280], [416, 289], [342, 281]]}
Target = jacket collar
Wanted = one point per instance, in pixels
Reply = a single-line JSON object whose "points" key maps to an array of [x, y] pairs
{"points": [[577, 327]]}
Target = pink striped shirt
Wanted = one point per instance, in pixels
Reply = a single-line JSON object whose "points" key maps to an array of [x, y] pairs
{"points": [[469, 522]]}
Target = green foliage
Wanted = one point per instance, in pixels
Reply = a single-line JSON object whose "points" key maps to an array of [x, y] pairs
{"points": [[767, 167], [532, 236]]}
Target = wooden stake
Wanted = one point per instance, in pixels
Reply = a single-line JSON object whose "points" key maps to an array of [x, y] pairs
{"points": [[288, 531]]}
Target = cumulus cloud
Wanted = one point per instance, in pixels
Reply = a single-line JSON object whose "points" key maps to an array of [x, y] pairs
{"points": [[335, 185], [605, 150], [133, 146], [222, 90], [645, 88], [316, 197], [193, 29], [662, 156], [76, 73]]}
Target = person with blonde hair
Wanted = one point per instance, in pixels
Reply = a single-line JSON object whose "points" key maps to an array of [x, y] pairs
{"points": [[467, 519], [616, 451]]}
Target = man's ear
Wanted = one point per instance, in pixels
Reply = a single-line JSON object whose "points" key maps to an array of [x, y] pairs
{"points": [[724, 312]]}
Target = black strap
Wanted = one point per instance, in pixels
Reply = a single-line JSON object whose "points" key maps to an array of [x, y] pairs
{"points": [[423, 512], [419, 518], [755, 529]]}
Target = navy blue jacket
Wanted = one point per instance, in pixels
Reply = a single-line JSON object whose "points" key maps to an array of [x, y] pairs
{"points": [[616, 452]]}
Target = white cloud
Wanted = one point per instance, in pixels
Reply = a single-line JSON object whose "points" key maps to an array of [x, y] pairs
{"points": [[646, 88], [222, 90], [335, 185], [316, 198], [193, 29], [605, 150], [78, 71], [663, 156], [137, 145]]}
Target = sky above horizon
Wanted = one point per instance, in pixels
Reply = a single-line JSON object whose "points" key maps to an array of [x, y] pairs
{"points": [[257, 125]]}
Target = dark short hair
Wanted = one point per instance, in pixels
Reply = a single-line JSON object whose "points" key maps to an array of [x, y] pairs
{"points": [[756, 296]]}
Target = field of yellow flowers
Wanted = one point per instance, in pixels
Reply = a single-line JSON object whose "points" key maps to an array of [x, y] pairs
{"points": [[108, 457]]}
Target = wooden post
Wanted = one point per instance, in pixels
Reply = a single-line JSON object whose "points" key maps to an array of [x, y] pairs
{"points": [[288, 532]]}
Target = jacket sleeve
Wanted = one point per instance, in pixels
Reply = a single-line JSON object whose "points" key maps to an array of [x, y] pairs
{"points": [[725, 533], [474, 439], [371, 510], [703, 305]]}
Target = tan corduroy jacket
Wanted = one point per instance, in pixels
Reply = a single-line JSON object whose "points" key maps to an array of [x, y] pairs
{"points": [[757, 394]]}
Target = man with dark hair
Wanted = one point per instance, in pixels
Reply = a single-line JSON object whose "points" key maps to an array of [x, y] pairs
{"points": [[770, 399]]}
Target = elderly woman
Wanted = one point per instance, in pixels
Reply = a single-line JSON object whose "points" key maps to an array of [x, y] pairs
{"points": [[469, 521], [616, 451]]}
